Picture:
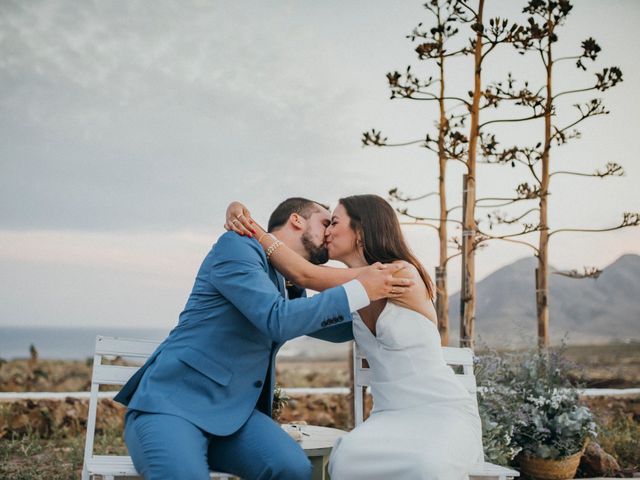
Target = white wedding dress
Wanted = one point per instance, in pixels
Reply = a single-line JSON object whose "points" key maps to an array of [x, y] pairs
{"points": [[424, 424]]}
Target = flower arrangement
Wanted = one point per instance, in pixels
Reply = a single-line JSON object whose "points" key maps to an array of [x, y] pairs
{"points": [[497, 409], [528, 406], [280, 401], [554, 426]]}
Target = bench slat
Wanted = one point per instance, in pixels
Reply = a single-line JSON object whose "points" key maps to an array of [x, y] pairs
{"points": [[457, 356], [125, 347], [488, 469], [363, 379], [111, 465], [112, 374], [122, 466]]}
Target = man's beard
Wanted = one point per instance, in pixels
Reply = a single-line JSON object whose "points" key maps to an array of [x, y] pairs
{"points": [[317, 254]]}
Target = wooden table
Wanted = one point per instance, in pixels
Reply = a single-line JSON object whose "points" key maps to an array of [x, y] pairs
{"points": [[317, 444]]}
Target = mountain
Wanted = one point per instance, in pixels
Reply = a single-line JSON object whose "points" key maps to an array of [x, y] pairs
{"points": [[599, 310]]}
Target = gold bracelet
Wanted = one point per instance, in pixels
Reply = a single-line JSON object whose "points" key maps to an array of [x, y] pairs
{"points": [[273, 247]]}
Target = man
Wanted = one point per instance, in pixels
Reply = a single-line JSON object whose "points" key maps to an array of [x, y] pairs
{"points": [[203, 399]]}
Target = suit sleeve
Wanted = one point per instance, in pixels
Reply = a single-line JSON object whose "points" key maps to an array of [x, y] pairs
{"points": [[336, 334], [239, 273], [342, 332]]}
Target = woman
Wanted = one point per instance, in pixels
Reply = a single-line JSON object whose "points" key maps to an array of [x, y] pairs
{"points": [[424, 423]]}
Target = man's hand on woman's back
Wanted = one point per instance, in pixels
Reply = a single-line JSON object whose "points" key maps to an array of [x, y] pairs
{"points": [[379, 282]]}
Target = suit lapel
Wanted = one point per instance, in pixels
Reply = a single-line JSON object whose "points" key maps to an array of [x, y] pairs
{"points": [[277, 279], [295, 291], [281, 287]]}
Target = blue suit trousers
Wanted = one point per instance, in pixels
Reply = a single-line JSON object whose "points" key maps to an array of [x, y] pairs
{"points": [[169, 447]]}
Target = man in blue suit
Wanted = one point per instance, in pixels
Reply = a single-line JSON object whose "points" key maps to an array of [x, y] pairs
{"points": [[203, 399]]}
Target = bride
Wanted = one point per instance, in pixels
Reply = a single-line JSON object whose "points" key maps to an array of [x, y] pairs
{"points": [[424, 423]]}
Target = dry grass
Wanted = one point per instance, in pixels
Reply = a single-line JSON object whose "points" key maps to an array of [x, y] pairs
{"points": [[30, 457], [45, 376], [45, 439], [606, 366], [619, 429]]}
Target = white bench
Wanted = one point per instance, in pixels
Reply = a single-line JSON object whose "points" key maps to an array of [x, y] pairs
{"points": [[455, 357], [111, 466]]}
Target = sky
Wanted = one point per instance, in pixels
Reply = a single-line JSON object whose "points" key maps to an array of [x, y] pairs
{"points": [[126, 128]]}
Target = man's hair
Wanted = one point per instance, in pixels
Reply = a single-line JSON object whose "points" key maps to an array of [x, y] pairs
{"points": [[302, 206]]}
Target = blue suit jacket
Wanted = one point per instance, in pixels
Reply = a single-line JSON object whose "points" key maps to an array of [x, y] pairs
{"points": [[217, 364]]}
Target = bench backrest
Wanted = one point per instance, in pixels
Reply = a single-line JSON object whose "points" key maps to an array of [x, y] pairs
{"points": [[462, 358], [130, 348], [141, 349]]}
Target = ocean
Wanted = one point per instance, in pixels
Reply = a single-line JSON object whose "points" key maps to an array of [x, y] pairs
{"points": [[66, 343]]}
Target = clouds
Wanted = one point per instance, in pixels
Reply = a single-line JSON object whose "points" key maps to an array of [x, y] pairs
{"points": [[123, 115], [120, 115], [213, 60]]}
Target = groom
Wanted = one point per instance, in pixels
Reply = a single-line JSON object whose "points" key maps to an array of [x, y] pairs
{"points": [[203, 399]]}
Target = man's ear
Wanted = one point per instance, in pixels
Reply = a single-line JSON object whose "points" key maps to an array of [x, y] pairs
{"points": [[296, 221]]}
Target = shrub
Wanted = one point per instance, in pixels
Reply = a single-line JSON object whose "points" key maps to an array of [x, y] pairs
{"points": [[527, 404]]}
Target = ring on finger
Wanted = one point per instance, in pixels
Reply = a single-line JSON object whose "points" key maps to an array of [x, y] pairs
{"points": [[235, 220]]}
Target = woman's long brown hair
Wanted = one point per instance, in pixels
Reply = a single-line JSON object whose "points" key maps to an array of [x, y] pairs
{"points": [[381, 235]]}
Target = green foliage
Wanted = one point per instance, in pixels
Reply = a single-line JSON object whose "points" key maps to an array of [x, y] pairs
{"points": [[280, 400], [497, 410], [528, 405]]}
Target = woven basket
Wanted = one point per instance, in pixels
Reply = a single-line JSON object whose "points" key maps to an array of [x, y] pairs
{"points": [[543, 469]]}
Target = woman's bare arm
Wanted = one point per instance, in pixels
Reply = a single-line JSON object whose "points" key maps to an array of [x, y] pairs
{"points": [[292, 265], [416, 298], [304, 273]]}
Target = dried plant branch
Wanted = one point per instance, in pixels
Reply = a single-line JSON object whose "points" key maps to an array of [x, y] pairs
{"points": [[500, 218], [527, 228], [610, 169], [511, 240], [588, 272], [435, 227], [451, 257], [394, 194], [465, 5], [403, 211], [629, 219], [513, 120]]}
